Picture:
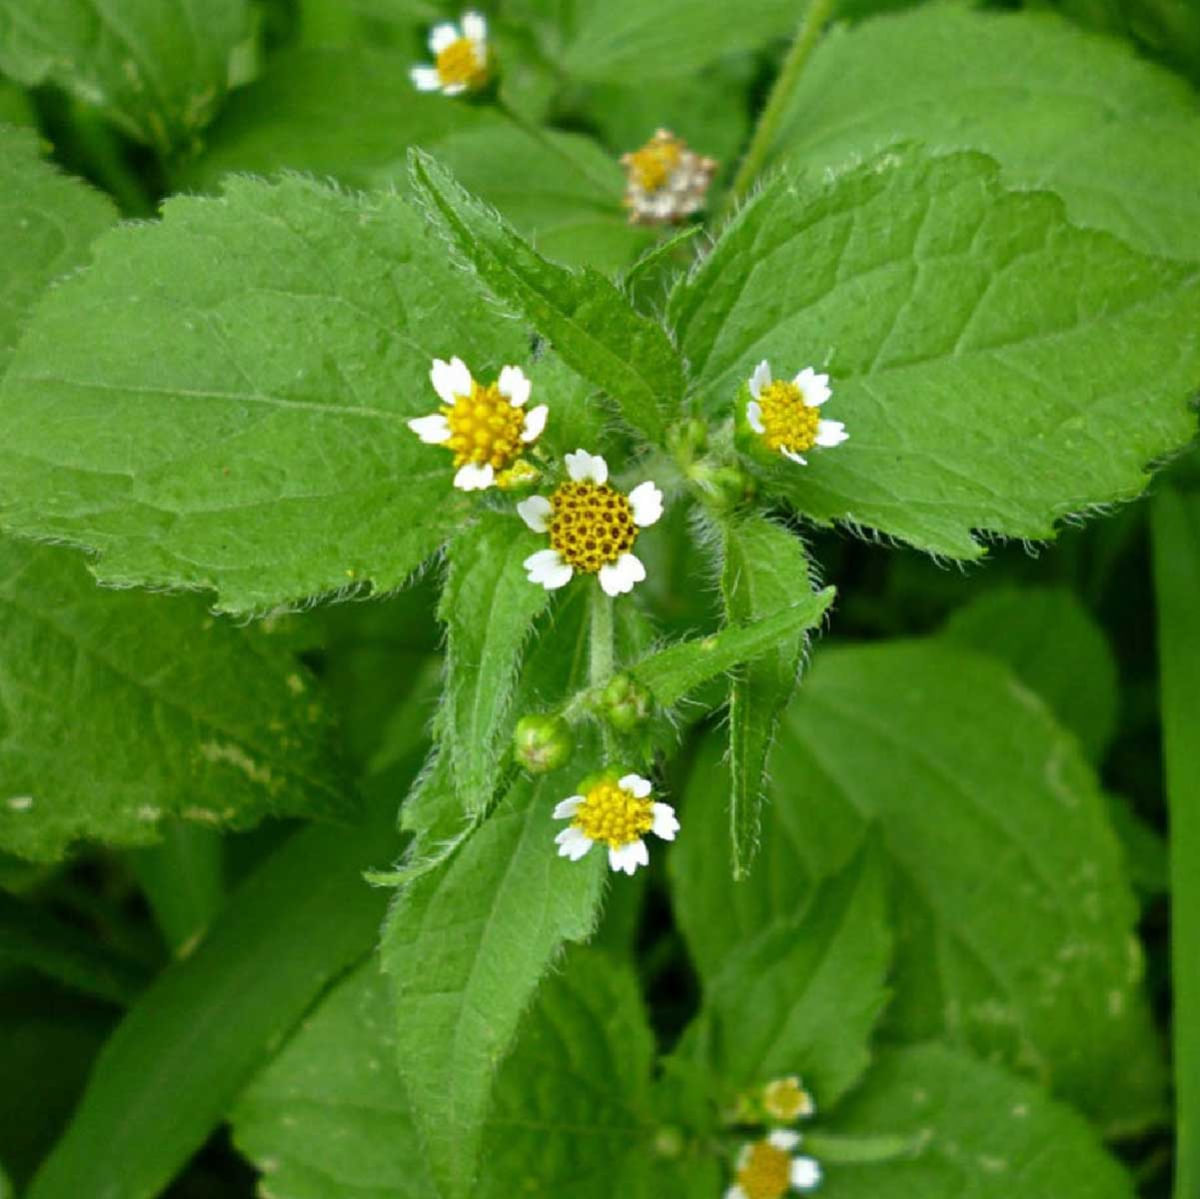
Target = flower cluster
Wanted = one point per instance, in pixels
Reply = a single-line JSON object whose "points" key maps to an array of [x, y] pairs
{"points": [[769, 1168], [664, 180], [461, 61]]}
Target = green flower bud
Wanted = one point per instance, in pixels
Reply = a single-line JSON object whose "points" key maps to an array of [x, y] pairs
{"points": [[726, 487], [542, 743], [687, 439], [624, 703]]}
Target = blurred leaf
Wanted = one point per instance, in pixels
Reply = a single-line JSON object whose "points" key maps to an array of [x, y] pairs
{"points": [[981, 1133], [121, 708], [765, 569], [1049, 640], [804, 994], [173, 1067], [586, 317], [183, 880], [962, 326], [56, 219], [158, 68], [230, 388], [1080, 115]]}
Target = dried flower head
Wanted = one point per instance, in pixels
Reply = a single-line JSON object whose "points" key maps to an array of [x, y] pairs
{"points": [[665, 181]]}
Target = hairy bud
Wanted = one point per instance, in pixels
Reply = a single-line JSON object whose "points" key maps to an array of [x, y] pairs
{"points": [[542, 743]]}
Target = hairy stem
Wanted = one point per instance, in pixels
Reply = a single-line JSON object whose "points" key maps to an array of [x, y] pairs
{"points": [[811, 24], [601, 663]]}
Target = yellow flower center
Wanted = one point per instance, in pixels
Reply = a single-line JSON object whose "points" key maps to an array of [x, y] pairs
{"points": [[789, 421], [765, 1172], [591, 525], [613, 815], [484, 427], [460, 62], [785, 1099], [651, 166]]}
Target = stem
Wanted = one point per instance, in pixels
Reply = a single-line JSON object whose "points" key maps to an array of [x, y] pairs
{"points": [[844, 1150], [1176, 544], [811, 24], [601, 663]]}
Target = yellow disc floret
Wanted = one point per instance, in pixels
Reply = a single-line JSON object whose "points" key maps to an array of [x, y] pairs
{"points": [[460, 62], [613, 815], [789, 422], [765, 1171], [484, 427], [651, 166], [591, 525]]}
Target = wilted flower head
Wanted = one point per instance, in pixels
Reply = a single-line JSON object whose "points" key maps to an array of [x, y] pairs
{"points": [[460, 58], [485, 427], [665, 181], [616, 813], [785, 414]]}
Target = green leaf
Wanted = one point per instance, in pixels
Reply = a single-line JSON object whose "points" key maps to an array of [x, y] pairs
{"points": [[124, 708], [982, 1133], [58, 219], [1015, 919], [488, 607], [764, 570], [230, 388], [802, 997], [586, 317], [671, 673], [1077, 114], [1049, 641], [158, 69], [212, 1020], [1176, 542], [962, 326], [465, 946]]}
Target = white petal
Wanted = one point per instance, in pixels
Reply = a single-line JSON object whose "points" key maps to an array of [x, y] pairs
{"points": [[760, 378], [831, 432], [647, 503], [425, 79], [666, 823], [548, 568], [629, 857], [754, 416], [572, 843], [814, 387], [736, 1192], [474, 477], [454, 89], [431, 429], [534, 512], [450, 379], [586, 468], [474, 26], [805, 1173], [635, 785], [567, 807], [535, 422], [784, 1138], [515, 385], [443, 35], [616, 578], [793, 455]]}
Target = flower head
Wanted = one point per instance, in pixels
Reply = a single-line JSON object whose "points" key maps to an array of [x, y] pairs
{"points": [[785, 1100], [785, 414], [615, 813], [592, 527], [665, 181], [766, 1169], [460, 58], [484, 427]]}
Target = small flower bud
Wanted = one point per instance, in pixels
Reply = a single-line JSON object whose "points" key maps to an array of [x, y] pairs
{"points": [[520, 475], [668, 1142], [727, 487], [542, 743], [624, 703], [688, 439]]}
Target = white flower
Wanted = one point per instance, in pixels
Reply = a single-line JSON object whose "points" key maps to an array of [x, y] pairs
{"points": [[460, 58], [766, 1169], [485, 427], [785, 1099], [785, 414], [665, 181], [592, 527], [615, 814]]}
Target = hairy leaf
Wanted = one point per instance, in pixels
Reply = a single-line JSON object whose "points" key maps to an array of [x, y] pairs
{"points": [[55, 220], [963, 327], [230, 388], [120, 708], [158, 68], [1077, 114], [585, 316]]}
